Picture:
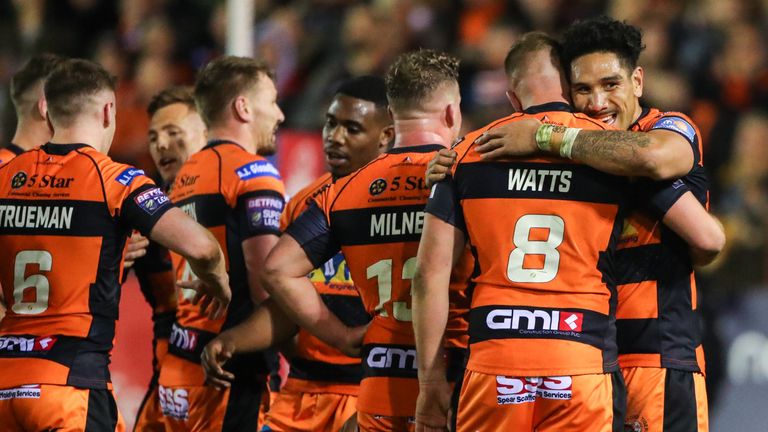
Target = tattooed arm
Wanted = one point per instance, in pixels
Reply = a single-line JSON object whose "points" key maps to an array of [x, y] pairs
{"points": [[658, 154]]}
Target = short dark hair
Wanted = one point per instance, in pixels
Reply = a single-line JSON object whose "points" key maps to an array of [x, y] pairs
{"points": [[366, 87], [603, 34], [529, 43], [170, 96], [31, 75], [69, 86], [222, 79], [415, 75]]}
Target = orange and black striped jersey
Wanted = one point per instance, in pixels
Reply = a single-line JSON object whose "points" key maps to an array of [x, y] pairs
{"points": [[543, 232], [236, 195], [657, 317], [375, 217], [65, 214], [9, 152], [318, 367]]}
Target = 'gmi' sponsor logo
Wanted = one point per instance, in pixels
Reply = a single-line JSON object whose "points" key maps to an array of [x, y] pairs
{"points": [[535, 319]]}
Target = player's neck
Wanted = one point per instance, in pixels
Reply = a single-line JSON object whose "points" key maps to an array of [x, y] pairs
{"points": [[424, 131], [82, 134], [239, 135], [30, 134]]}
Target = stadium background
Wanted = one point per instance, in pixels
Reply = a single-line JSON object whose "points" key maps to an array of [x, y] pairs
{"points": [[708, 58]]}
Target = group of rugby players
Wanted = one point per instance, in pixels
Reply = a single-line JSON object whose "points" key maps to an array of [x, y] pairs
{"points": [[544, 283]]}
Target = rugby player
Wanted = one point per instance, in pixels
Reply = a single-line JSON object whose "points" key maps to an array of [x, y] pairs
{"points": [[67, 210]]}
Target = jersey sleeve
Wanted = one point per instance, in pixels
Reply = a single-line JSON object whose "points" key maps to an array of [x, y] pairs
{"points": [[313, 233], [133, 198], [260, 199], [444, 204], [683, 127], [660, 196], [143, 207]]}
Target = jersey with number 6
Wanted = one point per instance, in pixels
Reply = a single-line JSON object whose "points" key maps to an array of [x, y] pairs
{"points": [[66, 211], [543, 231], [375, 217]]}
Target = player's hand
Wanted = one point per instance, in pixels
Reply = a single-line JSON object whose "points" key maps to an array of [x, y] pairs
{"points": [[516, 138], [135, 249], [215, 354], [439, 166], [213, 298], [353, 340], [433, 406]]}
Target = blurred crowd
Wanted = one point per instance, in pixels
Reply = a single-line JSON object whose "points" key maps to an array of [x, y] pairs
{"points": [[706, 58]]}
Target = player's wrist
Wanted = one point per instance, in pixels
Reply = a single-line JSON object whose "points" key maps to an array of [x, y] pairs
{"points": [[556, 139]]}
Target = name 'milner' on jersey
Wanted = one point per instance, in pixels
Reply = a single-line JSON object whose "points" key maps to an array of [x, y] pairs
{"points": [[543, 232], [375, 216], [66, 211]]}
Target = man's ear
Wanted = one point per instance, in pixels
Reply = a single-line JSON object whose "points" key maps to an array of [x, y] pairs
{"points": [[108, 114], [42, 107], [637, 81], [386, 138], [515, 101], [241, 109]]}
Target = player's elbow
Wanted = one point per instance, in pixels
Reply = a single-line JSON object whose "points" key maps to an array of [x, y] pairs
{"points": [[203, 249], [707, 246]]}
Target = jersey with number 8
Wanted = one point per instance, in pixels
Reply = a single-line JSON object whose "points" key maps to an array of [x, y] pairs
{"points": [[375, 216], [543, 230]]}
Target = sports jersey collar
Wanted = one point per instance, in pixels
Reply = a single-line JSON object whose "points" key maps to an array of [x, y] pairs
{"points": [[425, 148], [218, 142], [644, 112], [13, 148], [547, 107], [61, 149]]}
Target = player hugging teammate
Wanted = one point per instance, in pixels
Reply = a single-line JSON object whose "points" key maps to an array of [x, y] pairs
{"points": [[544, 283]]}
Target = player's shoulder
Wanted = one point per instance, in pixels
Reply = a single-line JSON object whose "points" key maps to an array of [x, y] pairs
{"points": [[675, 121], [314, 188]]}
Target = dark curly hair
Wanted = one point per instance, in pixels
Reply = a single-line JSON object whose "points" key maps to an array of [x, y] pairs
{"points": [[603, 34]]}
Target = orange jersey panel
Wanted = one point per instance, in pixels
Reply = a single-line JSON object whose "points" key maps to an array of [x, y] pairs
{"points": [[236, 195], [375, 216], [657, 316], [10, 152], [543, 230], [65, 214]]}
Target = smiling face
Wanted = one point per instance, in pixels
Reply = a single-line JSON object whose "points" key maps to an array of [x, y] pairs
{"points": [[352, 134], [605, 90], [175, 133]]}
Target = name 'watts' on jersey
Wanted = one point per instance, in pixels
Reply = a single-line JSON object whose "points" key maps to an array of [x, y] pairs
{"points": [[397, 223], [539, 180], [36, 216]]}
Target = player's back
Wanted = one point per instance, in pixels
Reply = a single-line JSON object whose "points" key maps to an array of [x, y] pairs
{"points": [[540, 228], [376, 215], [65, 214]]}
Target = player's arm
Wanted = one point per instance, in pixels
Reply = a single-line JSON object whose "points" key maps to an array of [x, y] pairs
{"points": [[179, 233], [702, 231], [266, 326], [441, 246], [255, 251], [658, 154], [285, 278], [674, 203]]}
